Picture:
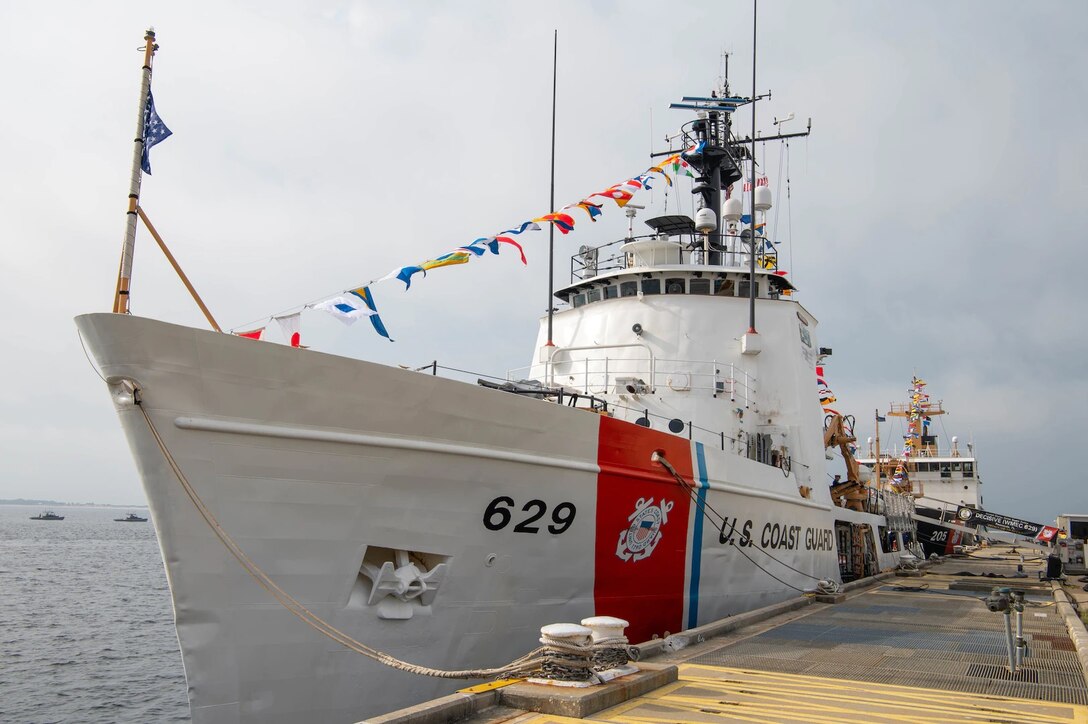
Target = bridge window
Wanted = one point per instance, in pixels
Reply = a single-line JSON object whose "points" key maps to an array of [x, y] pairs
{"points": [[723, 287], [742, 288], [671, 285], [968, 470]]}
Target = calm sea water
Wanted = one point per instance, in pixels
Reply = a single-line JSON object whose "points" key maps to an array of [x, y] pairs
{"points": [[86, 628]]}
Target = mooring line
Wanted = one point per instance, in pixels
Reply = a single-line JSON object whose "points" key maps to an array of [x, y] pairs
{"points": [[521, 666]]}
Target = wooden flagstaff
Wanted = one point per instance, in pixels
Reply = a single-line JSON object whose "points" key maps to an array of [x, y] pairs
{"points": [[124, 274]]}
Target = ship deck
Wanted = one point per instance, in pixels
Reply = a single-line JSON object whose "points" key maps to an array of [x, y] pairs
{"points": [[901, 649]]}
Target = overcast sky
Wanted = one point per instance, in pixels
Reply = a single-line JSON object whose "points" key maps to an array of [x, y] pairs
{"points": [[937, 211]]}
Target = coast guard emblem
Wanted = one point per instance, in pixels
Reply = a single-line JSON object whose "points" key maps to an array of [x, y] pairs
{"points": [[644, 533]]}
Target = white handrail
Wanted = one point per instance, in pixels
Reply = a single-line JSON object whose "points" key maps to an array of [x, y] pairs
{"points": [[738, 383], [549, 373]]}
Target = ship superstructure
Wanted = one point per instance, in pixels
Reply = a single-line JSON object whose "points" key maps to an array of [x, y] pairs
{"points": [[661, 327]]}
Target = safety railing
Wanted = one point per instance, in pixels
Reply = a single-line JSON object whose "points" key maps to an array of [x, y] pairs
{"points": [[735, 383], [592, 371], [593, 261]]}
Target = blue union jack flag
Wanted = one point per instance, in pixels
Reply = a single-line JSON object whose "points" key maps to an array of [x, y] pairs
{"points": [[155, 131]]}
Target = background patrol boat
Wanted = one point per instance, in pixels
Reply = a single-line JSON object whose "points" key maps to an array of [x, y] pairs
{"points": [[659, 460], [941, 478]]}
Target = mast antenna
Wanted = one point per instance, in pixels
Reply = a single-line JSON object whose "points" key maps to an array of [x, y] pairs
{"points": [[551, 198], [725, 73], [752, 190]]}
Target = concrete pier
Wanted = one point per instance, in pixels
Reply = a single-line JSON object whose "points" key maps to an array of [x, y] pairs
{"points": [[917, 649]]}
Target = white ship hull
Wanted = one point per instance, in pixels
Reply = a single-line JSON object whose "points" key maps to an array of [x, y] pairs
{"points": [[316, 464]]}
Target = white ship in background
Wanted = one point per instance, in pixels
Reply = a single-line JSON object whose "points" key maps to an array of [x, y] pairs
{"points": [[943, 479], [444, 522]]}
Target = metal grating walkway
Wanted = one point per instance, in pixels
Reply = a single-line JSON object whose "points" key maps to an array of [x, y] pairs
{"points": [[936, 639]]}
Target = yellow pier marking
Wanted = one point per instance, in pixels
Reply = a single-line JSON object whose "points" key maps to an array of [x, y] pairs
{"points": [[489, 685], [711, 694]]}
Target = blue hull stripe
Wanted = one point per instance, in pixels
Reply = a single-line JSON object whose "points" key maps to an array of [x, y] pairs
{"points": [[697, 539]]}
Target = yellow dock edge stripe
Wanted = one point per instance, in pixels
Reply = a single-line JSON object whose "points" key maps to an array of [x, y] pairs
{"points": [[917, 697], [489, 686], [716, 693]]}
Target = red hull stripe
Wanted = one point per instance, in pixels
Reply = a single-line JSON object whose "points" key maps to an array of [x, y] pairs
{"points": [[642, 529], [651, 476], [954, 538]]}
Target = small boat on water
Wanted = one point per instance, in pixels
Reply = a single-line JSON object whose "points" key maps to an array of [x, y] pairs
{"points": [[47, 515], [130, 518]]}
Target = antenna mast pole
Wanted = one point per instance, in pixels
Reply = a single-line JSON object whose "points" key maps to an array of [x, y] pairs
{"points": [[876, 419], [124, 274], [752, 191], [551, 198]]}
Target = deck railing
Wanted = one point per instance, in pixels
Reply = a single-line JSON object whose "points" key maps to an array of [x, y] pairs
{"points": [[595, 261], [721, 380], [592, 371]]}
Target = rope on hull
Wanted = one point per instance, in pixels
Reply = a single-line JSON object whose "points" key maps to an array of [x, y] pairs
{"points": [[520, 667]]}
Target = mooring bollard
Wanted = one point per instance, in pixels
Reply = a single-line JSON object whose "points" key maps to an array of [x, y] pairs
{"points": [[609, 643], [568, 649]]}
